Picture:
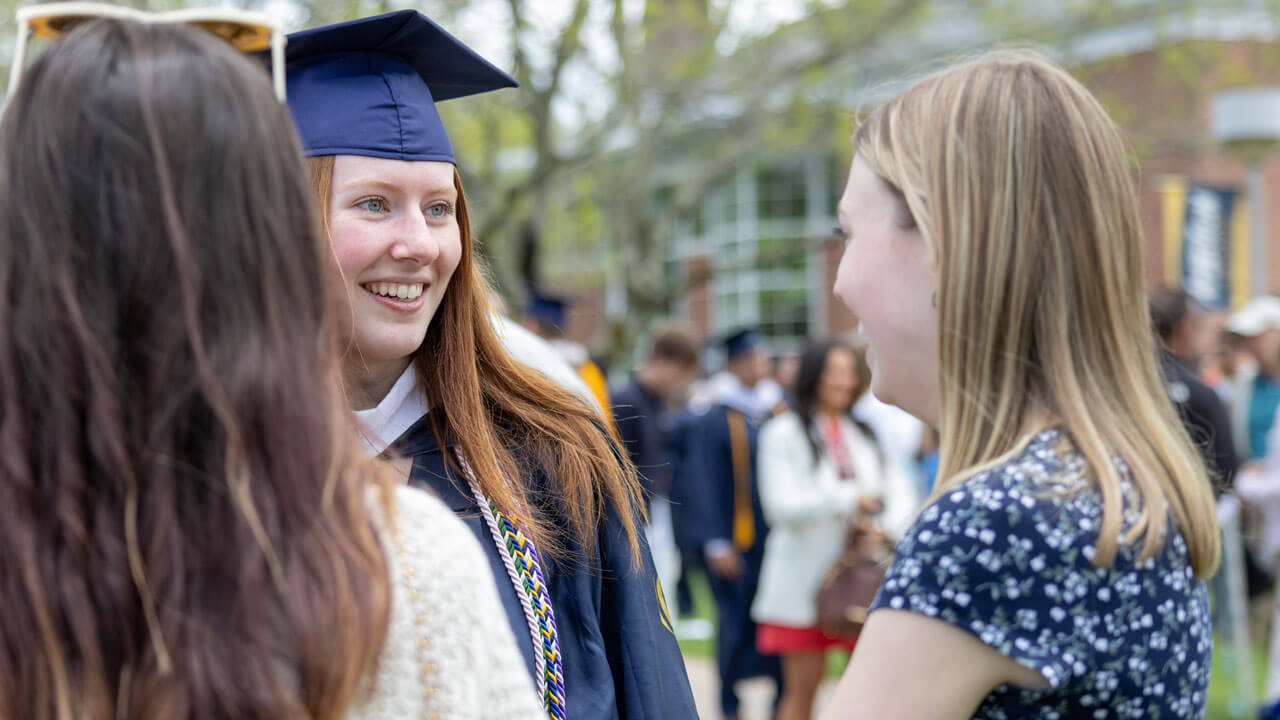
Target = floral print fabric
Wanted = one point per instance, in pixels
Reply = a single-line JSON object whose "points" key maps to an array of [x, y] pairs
{"points": [[1008, 557]]}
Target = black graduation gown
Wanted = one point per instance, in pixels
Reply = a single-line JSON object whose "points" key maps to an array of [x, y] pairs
{"points": [[707, 488], [619, 654], [1206, 420], [683, 520], [642, 419]]}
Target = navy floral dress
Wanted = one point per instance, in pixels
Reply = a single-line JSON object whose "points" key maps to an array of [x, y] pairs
{"points": [[1007, 556]]}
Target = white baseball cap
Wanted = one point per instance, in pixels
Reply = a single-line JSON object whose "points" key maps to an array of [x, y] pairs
{"points": [[1259, 315]]}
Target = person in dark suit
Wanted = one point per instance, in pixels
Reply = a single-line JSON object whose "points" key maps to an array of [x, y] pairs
{"points": [[1175, 318], [683, 522], [641, 408], [722, 495], [644, 411]]}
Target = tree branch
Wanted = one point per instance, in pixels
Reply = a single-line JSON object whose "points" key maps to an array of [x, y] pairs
{"points": [[570, 43], [523, 72]]}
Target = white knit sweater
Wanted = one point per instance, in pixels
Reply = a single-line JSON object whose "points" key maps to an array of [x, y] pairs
{"points": [[450, 654]]}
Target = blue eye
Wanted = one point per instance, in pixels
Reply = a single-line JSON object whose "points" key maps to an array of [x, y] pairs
{"points": [[373, 205], [439, 210]]}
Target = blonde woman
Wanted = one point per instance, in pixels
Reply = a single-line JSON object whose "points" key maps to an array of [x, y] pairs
{"points": [[994, 260]]}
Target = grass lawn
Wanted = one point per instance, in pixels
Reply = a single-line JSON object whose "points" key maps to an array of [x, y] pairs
{"points": [[704, 607], [1221, 683]]}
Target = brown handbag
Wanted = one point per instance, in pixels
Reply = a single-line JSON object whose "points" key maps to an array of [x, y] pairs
{"points": [[849, 587]]}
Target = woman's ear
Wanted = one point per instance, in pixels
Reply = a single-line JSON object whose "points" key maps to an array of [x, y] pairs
{"points": [[902, 216]]}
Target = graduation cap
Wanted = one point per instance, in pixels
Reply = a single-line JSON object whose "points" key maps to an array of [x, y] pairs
{"points": [[369, 86], [548, 309], [741, 341]]}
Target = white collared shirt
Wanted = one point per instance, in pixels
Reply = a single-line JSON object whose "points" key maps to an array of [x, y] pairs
{"points": [[403, 406]]}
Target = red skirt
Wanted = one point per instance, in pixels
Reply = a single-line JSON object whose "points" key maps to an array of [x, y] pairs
{"points": [[784, 639]]}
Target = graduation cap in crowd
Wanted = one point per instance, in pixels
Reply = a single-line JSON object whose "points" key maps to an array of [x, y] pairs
{"points": [[547, 309], [369, 86], [741, 341]]}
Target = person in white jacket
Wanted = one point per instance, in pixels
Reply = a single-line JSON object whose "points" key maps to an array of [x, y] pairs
{"points": [[818, 471]]}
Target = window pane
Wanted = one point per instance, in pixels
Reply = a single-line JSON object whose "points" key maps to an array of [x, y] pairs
{"points": [[780, 192], [789, 253], [728, 306], [784, 313]]}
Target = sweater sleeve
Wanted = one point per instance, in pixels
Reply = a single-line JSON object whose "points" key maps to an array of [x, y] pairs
{"points": [[466, 640]]}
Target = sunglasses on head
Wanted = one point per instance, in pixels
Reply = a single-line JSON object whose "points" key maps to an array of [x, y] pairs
{"points": [[248, 32]]}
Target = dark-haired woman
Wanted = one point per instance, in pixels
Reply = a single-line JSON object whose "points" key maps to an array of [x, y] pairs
{"points": [[819, 471], [525, 463], [187, 525]]}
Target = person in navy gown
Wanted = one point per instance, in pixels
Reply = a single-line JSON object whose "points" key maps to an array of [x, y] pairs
{"points": [[719, 489], [525, 463]]}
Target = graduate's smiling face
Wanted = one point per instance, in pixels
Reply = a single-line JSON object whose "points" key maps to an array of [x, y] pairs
{"points": [[394, 228]]}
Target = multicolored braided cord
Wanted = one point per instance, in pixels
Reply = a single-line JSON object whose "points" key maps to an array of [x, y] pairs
{"points": [[524, 567]]}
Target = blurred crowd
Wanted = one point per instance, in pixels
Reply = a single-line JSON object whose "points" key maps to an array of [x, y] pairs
{"points": [[755, 474], [277, 451], [755, 466]]}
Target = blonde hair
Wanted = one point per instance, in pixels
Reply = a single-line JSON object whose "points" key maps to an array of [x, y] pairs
{"points": [[1021, 184]]}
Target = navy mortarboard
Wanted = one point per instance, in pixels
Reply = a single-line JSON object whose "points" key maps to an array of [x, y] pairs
{"points": [[741, 341], [547, 309], [369, 86]]}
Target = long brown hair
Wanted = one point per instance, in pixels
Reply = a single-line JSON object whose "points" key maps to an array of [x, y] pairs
{"points": [[1022, 185], [184, 525], [486, 403]]}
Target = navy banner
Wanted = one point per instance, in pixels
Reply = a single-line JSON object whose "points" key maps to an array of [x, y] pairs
{"points": [[1206, 245]]}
